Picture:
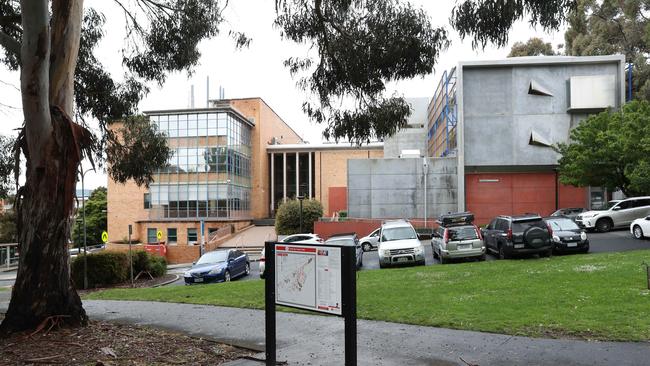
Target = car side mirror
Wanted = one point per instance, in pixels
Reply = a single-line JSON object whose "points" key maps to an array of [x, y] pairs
{"points": [[193, 263], [617, 208]]}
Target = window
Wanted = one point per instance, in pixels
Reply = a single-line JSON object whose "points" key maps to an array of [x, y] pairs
{"points": [[502, 225], [147, 200], [172, 236], [152, 235], [192, 237]]}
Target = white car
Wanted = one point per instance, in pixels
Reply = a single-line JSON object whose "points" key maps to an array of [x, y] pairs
{"points": [[399, 244], [303, 238], [370, 241], [640, 228], [620, 214]]}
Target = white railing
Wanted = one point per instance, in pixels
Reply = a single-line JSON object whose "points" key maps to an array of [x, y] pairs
{"points": [[9, 256]]}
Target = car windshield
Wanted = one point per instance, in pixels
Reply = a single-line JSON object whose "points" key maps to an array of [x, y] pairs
{"points": [[561, 225], [213, 257], [398, 233], [462, 233], [521, 226]]}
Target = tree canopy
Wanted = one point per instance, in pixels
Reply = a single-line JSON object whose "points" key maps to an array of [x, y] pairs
{"points": [[6, 166], [533, 47], [96, 221], [610, 149], [612, 26]]}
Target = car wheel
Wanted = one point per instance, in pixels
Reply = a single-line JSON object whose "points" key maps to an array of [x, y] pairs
{"points": [[381, 265], [367, 247], [226, 276], [248, 269], [546, 253], [638, 232], [604, 225], [442, 259], [482, 258], [435, 255], [586, 249], [502, 252]]}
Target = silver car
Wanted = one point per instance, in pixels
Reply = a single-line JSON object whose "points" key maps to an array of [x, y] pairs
{"points": [[399, 244], [370, 241], [619, 214]]}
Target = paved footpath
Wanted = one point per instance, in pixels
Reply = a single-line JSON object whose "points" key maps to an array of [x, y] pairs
{"points": [[318, 340]]}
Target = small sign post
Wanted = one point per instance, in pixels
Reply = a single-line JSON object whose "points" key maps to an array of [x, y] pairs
{"points": [[130, 256], [315, 277]]}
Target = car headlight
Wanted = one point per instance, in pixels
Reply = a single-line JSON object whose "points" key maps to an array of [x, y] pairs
{"points": [[556, 239], [383, 252], [215, 271], [418, 250], [583, 236], [588, 216], [187, 274]]}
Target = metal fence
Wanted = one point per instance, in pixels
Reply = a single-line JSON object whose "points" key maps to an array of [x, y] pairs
{"points": [[9, 256]]}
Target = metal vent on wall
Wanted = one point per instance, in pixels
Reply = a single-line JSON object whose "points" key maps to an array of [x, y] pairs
{"points": [[535, 88], [538, 140]]}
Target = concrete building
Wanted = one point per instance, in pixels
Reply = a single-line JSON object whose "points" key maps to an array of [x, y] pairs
{"points": [[233, 163], [498, 122]]}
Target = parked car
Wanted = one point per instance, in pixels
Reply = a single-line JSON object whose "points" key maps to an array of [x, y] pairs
{"points": [[218, 266], [304, 238], [457, 237], [619, 214], [370, 241], [566, 235], [262, 263], [571, 212], [399, 244], [348, 239], [640, 228], [526, 234]]}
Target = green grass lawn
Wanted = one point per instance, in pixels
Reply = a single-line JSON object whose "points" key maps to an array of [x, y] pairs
{"points": [[597, 296]]}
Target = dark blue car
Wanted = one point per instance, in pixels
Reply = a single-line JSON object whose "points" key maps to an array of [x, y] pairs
{"points": [[218, 266]]}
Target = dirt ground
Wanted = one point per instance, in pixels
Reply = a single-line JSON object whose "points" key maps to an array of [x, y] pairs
{"points": [[104, 343]]}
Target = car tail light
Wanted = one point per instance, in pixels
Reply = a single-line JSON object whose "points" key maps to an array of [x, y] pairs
{"points": [[262, 259], [509, 234], [478, 232], [550, 231], [446, 236]]}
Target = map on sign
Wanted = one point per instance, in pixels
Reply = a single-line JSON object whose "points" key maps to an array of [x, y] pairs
{"points": [[308, 277]]}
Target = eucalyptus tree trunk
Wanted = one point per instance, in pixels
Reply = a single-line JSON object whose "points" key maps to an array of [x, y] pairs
{"points": [[52, 145]]}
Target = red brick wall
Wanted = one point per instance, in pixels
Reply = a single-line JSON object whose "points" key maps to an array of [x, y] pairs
{"points": [[327, 229]]}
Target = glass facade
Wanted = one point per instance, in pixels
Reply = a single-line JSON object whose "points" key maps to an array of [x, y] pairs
{"points": [[209, 174], [285, 165]]}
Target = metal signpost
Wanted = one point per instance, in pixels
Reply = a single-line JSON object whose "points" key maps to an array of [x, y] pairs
{"points": [[130, 256], [315, 277]]}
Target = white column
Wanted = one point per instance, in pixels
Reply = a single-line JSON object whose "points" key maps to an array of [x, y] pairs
{"points": [[284, 175], [310, 182], [297, 175], [272, 181]]}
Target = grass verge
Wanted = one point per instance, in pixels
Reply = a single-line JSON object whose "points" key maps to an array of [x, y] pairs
{"points": [[595, 296]]}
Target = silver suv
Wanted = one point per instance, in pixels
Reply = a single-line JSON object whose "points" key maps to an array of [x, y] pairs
{"points": [[619, 214], [457, 237], [399, 244]]}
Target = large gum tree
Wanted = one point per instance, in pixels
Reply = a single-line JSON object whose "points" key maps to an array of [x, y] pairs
{"points": [[360, 46]]}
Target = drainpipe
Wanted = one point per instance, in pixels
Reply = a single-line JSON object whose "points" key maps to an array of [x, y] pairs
{"points": [[425, 170]]}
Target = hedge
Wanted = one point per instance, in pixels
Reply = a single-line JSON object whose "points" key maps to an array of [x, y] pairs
{"points": [[287, 218], [110, 268]]}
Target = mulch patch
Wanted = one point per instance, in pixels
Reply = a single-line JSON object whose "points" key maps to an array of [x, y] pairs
{"points": [[106, 343]]}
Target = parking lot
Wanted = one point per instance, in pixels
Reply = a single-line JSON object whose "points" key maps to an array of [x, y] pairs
{"points": [[614, 241]]}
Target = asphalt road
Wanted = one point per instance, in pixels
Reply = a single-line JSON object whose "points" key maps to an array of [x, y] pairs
{"points": [[614, 241]]}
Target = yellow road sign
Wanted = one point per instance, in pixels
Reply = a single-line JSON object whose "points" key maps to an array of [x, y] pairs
{"points": [[105, 237], [159, 234]]}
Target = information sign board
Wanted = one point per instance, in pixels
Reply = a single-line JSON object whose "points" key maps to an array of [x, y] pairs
{"points": [[308, 277]]}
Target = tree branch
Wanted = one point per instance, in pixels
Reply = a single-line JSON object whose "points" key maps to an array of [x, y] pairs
{"points": [[9, 43]]}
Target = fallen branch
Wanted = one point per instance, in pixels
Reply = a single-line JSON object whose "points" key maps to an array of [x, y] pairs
{"points": [[467, 363], [43, 358]]}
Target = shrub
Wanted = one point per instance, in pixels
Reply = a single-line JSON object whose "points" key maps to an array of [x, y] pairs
{"points": [[287, 219], [105, 268], [154, 264]]}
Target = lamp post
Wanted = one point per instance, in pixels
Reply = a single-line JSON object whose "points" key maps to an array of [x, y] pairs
{"points": [[300, 198], [83, 209]]}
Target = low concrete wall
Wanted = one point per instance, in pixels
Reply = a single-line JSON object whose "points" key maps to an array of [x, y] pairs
{"points": [[394, 188]]}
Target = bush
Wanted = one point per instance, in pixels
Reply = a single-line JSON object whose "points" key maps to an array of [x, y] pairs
{"points": [[154, 264], [105, 268], [287, 219]]}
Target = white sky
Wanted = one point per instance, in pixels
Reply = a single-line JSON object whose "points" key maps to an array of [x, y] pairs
{"points": [[256, 71]]}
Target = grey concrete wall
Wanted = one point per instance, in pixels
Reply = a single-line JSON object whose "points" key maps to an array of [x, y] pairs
{"points": [[394, 188], [406, 139], [499, 114]]}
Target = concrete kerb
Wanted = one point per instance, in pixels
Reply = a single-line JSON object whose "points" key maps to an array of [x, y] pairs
{"points": [[167, 282]]}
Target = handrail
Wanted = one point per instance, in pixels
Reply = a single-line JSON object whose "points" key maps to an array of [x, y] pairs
{"points": [[9, 255]]}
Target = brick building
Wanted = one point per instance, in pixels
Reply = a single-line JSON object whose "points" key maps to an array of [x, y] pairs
{"points": [[233, 163]]}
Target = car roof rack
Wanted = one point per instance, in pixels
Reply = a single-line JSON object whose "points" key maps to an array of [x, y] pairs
{"points": [[455, 219], [391, 221]]}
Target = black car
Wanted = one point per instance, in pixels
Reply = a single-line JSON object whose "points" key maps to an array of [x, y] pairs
{"points": [[348, 238], [567, 236], [525, 234]]}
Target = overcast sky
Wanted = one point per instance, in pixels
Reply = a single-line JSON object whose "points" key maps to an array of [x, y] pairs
{"points": [[256, 71]]}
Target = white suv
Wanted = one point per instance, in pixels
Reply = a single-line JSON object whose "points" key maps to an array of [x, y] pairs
{"points": [[399, 244], [619, 214]]}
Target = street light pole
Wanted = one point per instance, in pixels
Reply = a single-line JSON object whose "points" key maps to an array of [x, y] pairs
{"points": [[300, 198], [83, 208]]}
